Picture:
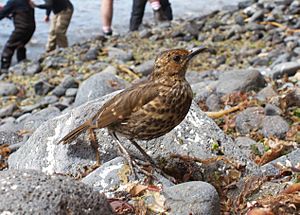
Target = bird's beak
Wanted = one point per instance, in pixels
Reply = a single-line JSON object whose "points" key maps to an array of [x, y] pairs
{"points": [[196, 51]]}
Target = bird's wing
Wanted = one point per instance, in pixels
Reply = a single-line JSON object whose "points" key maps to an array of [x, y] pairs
{"points": [[123, 104]]}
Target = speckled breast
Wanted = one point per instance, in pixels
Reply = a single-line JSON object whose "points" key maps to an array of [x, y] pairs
{"points": [[159, 116]]}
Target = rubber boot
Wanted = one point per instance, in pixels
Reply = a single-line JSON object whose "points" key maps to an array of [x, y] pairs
{"points": [[21, 54], [5, 63], [159, 16]]}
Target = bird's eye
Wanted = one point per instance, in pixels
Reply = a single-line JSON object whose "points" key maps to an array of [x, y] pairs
{"points": [[177, 58]]}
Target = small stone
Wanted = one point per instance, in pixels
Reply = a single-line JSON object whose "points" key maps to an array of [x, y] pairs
{"points": [[257, 16], [47, 100], [116, 53], [272, 110], [266, 93], [8, 110], [195, 197], [145, 68], [71, 92], [218, 38], [69, 82], [8, 89], [288, 68], [92, 54], [213, 102], [59, 91], [274, 126], [42, 87], [145, 33], [240, 80], [293, 97], [249, 119]]}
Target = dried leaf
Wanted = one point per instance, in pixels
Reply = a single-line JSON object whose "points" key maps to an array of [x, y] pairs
{"points": [[121, 207], [137, 189], [260, 211], [292, 188]]}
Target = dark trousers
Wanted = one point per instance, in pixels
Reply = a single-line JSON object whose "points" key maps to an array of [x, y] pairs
{"points": [[137, 12], [17, 41]]}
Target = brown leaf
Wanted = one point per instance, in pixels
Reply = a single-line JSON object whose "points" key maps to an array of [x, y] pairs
{"points": [[137, 189], [121, 207], [260, 211], [292, 188]]}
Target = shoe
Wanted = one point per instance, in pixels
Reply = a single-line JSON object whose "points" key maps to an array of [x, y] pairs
{"points": [[159, 16], [5, 63], [108, 33]]}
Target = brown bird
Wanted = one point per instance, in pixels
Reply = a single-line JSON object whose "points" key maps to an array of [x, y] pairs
{"points": [[148, 109]]}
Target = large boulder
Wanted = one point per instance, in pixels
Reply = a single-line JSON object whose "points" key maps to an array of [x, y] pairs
{"points": [[32, 192], [195, 136], [99, 85]]}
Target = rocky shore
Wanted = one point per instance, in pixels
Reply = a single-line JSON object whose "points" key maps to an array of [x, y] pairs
{"points": [[237, 151]]}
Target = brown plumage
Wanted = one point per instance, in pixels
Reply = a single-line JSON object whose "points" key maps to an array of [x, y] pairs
{"points": [[149, 109]]}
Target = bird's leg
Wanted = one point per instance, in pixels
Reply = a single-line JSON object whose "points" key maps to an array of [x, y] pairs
{"points": [[94, 144], [152, 162], [131, 162], [141, 150]]}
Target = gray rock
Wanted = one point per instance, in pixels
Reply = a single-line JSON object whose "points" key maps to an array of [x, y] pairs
{"points": [[71, 92], [272, 110], [99, 85], [195, 197], [145, 68], [54, 62], [116, 53], [213, 102], [32, 192], [8, 89], [194, 77], [288, 68], [59, 91], [203, 90], [47, 100], [69, 82], [8, 137], [33, 121], [266, 93], [145, 33], [8, 110], [218, 38], [107, 177], [290, 159], [92, 54], [26, 68], [257, 16], [293, 97], [29, 108], [274, 126], [194, 136], [42, 87], [240, 80], [249, 119]]}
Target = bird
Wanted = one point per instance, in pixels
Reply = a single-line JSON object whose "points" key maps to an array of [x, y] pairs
{"points": [[146, 110]]}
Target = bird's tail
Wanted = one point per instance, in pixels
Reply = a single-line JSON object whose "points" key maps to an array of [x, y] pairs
{"points": [[75, 133]]}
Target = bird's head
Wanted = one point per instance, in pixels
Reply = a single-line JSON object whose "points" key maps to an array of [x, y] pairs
{"points": [[174, 63]]}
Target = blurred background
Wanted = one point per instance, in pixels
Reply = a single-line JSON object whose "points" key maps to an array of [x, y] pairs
{"points": [[86, 19]]}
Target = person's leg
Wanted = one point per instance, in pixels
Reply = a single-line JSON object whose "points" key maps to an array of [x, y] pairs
{"points": [[107, 16], [21, 50], [137, 13], [51, 43], [159, 7], [63, 22], [13, 42], [166, 7]]}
